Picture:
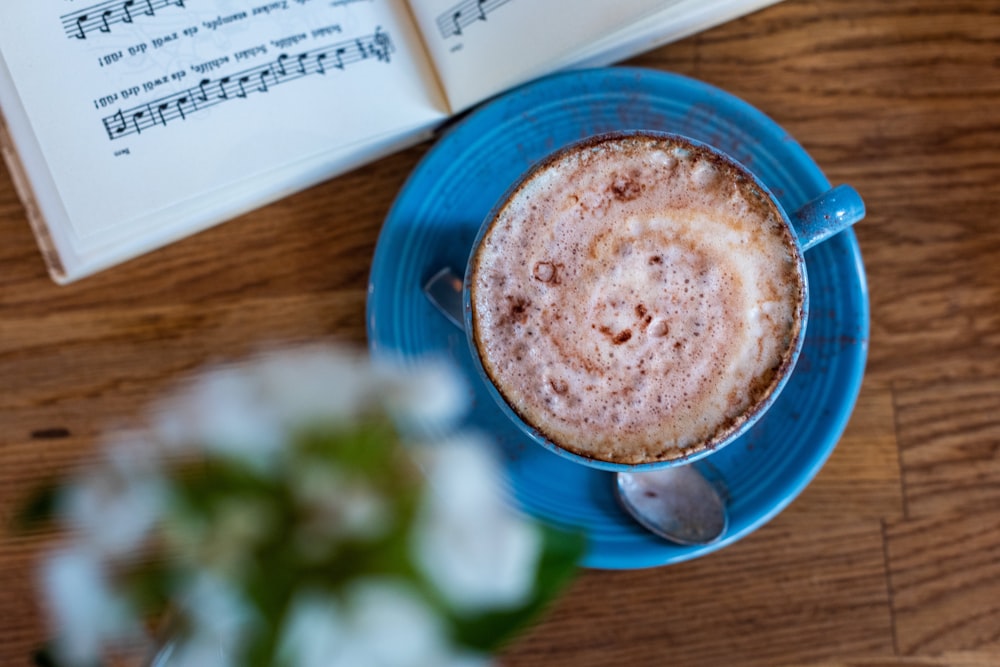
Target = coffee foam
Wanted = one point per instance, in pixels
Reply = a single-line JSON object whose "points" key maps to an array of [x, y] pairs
{"points": [[636, 299]]}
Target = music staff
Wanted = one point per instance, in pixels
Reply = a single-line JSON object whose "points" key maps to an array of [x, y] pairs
{"points": [[261, 79], [100, 17], [451, 22]]}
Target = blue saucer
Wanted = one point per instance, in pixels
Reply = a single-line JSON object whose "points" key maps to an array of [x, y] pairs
{"points": [[438, 212]]}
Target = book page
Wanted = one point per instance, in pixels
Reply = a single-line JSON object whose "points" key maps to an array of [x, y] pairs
{"points": [[481, 47], [141, 108], [673, 22]]}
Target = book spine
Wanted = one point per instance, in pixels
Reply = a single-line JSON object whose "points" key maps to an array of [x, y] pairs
{"points": [[35, 218]]}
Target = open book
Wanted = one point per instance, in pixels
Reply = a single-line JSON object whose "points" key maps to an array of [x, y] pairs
{"points": [[127, 124]]}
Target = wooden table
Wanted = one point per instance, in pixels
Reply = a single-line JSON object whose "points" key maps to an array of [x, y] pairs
{"points": [[891, 556]]}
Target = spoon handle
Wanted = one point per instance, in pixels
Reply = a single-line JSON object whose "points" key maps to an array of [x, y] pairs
{"points": [[444, 290]]}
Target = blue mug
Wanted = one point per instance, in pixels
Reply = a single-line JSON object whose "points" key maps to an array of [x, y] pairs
{"points": [[816, 221]]}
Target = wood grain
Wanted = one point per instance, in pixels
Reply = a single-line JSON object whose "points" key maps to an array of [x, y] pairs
{"points": [[950, 659], [945, 581], [862, 478], [813, 594], [949, 438], [891, 557]]}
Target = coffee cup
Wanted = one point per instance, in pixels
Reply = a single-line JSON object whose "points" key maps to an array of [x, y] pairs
{"points": [[639, 299]]}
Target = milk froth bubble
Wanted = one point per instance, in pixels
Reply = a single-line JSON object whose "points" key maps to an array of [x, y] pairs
{"points": [[636, 299]]}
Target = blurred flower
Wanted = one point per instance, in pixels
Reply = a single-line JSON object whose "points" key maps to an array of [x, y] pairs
{"points": [[219, 614], [430, 395], [85, 608], [284, 512], [469, 543], [316, 386], [199, 650], [222, 413], [390, 624], [114, 507], [379, 622]]}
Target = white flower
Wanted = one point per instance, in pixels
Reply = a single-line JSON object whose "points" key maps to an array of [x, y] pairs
{"points": [[428, 395], [250, 411], [222, 412], [316, 385], [390, 626], [113, 507], [196, 651], [379, 623], [219, 620], [313, 632], [86, 613], [468, 541], [217, 611]]}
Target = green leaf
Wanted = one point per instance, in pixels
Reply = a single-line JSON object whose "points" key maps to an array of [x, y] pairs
{"points": [[369, 447], [149, 585], [39, 509]]}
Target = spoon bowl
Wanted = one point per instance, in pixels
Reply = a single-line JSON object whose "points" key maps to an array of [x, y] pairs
{"points": [[677, 504]]}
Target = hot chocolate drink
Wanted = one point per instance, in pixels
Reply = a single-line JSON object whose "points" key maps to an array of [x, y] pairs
{"points": [[637, 298]]}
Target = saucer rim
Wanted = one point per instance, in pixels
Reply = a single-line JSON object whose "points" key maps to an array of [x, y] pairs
{"points": [[806, 174]]}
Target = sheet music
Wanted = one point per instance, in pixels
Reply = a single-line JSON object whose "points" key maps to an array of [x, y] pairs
{"points": [[481, 47], [461, 15], [81, 22], [259, 79], [149, 105]]}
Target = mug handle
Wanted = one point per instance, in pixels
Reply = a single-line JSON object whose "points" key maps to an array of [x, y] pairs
{"points": [[831, 212]]}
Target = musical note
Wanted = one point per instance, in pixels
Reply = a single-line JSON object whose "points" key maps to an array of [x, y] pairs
{"points": [[104, 19], [79, 26], [181, 105], [136, 117], [118, 120], [103, 15], [160, 109], [463, 14], [263, 80], [382, 44]]}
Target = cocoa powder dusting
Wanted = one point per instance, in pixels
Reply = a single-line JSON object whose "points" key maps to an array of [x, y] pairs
{"points": [[626, 189]]}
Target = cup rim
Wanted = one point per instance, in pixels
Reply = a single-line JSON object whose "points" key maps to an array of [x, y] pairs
{"points": [[690, 454]]}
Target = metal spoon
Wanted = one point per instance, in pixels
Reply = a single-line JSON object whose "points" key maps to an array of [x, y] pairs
{"points": [[676, 503]]}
